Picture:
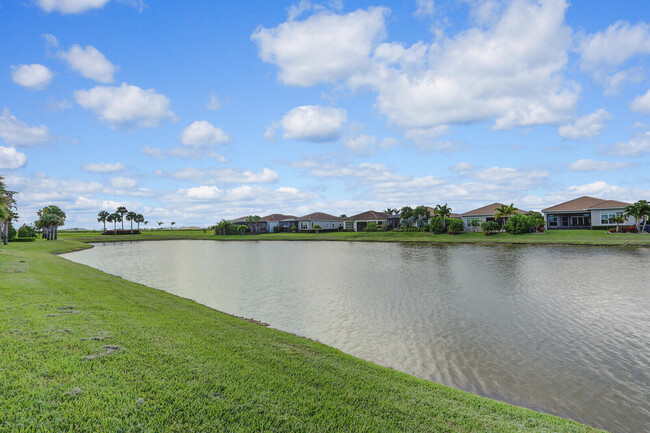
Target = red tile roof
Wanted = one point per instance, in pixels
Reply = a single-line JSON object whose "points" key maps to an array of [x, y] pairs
{"points": [[371, 215], [277, 217], [490, 209]]}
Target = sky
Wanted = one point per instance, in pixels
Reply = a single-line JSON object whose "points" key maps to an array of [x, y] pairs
{"points": [[196, 111]]}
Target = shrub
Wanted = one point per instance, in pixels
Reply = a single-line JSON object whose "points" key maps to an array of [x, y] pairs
{"points": [[518, 224], [454, 226], [490, 228], [371, 227], [26, 231], [277, 229], [11, 232], [25, 239], [436, 226], [294, 228]]}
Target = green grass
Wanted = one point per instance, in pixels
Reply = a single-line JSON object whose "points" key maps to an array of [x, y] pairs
{"points": [[183, 367], [552, 237]]}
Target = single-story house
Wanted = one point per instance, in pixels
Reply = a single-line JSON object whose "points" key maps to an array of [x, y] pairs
{"points": [[256, 227], [325, 221], [275, 219], [585, 213], [360, 221], [482, 214]]}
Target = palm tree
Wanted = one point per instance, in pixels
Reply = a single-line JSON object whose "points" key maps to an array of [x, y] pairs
{"points": [[101, 217], [122, 211], [640, 211], [159, 224], [4, 214], [114, 218], [253, 219], [50, 218], [618, 219], [131, 216], [139, 219], [172, 223], [444, 212], [145, 223], [503, 212]]}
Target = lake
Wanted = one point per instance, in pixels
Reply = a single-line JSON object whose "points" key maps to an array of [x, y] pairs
{"points": [[563, 330]]}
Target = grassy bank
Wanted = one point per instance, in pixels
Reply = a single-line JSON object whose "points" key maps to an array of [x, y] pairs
{"points": [[553, 237], [81, 350]]}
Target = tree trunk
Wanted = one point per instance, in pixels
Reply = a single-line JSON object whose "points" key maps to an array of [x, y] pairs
{"points": [[6, 231], [56, 233], [104, 225], [1, 231]]}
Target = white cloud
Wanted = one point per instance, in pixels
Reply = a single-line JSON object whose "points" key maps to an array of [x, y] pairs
{"points": [[634, 147], [17, 133], [462, 167], [510, 178], [11, 159], [616, 45], [203, 134], [313, 123], [510, 72], [70, 6], [641, 103], [425, 8], [592, 165], [50, 40], [361, 144], [34, 76], [325, 47], [156, 152], [245, 197], [89, 62], [188, 152], [103, 167], [123, 182], [271, 131], [223, 175], [126, 106], [604, 52], [214, 103], [586, 126]]}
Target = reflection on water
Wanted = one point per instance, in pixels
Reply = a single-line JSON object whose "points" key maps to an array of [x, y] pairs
{"points": [[564, 330]]}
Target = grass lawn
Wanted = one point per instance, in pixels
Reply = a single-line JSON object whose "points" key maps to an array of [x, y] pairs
{"points": [[81, 350], [553, 237]]}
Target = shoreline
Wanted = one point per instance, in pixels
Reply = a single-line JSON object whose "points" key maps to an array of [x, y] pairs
{"points": [[65, 315]]}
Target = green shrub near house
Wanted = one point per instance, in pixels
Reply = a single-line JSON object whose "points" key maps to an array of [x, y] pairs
{"points": [[454, 226], [490, 228], [371, 227], [519, 224]]}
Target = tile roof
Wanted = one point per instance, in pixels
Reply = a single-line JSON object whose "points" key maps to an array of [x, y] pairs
{"points": [[320, 216], [490, 209], [278, 217], [371, 215], [585, 203]]}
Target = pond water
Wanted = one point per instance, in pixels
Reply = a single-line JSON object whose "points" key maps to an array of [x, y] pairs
{"points": [[563, 330]]}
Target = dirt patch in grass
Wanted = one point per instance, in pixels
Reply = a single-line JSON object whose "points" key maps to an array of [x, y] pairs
{"points": [[108, 350]]}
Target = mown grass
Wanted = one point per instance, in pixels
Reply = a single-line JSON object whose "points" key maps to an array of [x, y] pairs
{"points": [[551, 237], [163, 363]]}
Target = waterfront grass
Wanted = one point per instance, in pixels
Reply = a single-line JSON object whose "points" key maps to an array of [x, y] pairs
{"points": [[81, 350], [551, 237]]}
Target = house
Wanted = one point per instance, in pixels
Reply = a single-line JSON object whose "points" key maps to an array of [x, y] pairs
{"points": [[482, 214], [585, 213], [274, 220], [359, 222], [256, 227], [325, 221]]}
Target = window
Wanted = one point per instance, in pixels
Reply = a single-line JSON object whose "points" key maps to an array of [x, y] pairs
{"points": [[470, 219], [605, 216], [552, 220], [304, 226]]}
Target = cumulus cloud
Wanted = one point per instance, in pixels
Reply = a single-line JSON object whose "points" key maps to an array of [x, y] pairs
{"points": [[510, 72], [592, 165], [222, 175], [325, 47], [126, 106], [70, 6], [508, 177], [586, 126], [34, 76], [634, 147], [425, 8], [641, 103], [361, 144], [17, 133], [202, 133], [103, 167], [246, 196], [313, 123], [604, 53], [123, 182], [89, 62], [11, 159]]}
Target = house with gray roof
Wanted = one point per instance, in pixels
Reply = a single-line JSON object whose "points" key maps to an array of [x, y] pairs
{"points": [[325, 221], [585, 213], [482, 214]]}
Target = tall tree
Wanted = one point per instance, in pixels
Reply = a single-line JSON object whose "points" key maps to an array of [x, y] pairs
{"points": [[50, 218], [618, 219], [101, 217], [159, 224], [503, 212], [7, 202], [131, 216], [253, 220], [114, 218], [122, 211], [139, 219], [640, 211], [172, 224]]}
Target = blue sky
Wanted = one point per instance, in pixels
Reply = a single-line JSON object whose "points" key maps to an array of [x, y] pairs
{"points": [[196, 111]]}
